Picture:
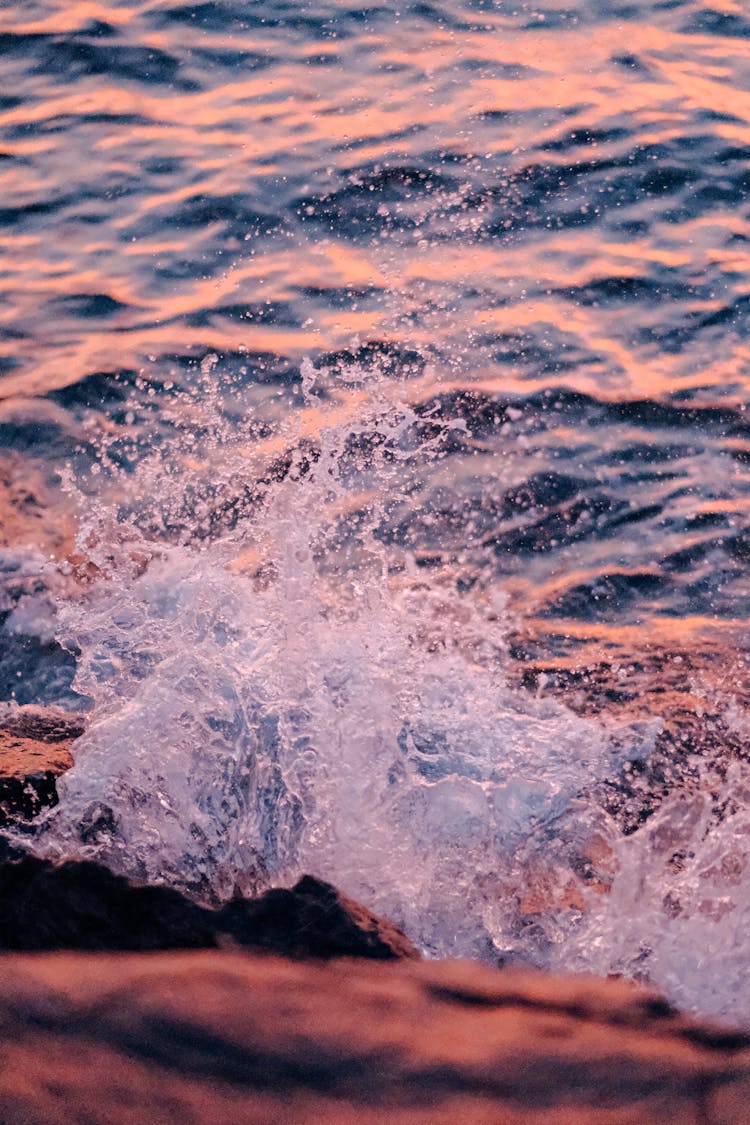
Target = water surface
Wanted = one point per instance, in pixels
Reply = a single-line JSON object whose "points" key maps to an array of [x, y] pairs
{"points": [[390, 364]]}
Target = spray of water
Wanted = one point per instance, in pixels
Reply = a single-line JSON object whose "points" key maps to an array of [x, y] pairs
{"points": [[276, 686]]}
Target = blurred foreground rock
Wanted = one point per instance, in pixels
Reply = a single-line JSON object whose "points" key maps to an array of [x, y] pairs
{"points": [[74, 905], [224, 1037]]}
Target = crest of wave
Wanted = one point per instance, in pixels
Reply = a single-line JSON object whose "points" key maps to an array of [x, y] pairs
{"points": [[290, 694]]}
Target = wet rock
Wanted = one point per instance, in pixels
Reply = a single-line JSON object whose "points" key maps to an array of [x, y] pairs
{"points": [[313, 920], [81, 905], [215, 1037], [35, 747], [696, 693]]}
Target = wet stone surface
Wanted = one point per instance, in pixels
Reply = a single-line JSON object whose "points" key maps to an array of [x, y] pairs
{"points": [[35, 749]]}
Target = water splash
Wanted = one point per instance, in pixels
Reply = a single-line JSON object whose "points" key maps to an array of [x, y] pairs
{"points": [[283, 691], [678, 912], [276, 686]]}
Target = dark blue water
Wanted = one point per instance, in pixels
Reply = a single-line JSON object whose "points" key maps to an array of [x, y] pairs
{"points": [[460, 290]]}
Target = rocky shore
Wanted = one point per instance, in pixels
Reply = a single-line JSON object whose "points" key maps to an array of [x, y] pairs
{"points": [[131, 1005], [212, 1026], [35, 744], [83, 906]]}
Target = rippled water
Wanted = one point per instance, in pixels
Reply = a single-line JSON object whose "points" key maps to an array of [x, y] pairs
{"points": [[390, 365]]}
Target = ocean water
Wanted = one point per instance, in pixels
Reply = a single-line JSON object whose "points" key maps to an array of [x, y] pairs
{"points": [[375, 460]]}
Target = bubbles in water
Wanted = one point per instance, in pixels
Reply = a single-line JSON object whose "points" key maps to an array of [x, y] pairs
{"points": [[278, 687], [278, 690]]}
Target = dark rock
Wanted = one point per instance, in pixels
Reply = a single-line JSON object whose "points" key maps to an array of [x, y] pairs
{"points": [[313, 920], [84, 906], [23, 797], [50, 725], [81, 905], [35, 747], [9, 851]]}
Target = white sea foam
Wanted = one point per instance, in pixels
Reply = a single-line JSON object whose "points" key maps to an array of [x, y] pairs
{"points": [[678, 913], [290, 695]]}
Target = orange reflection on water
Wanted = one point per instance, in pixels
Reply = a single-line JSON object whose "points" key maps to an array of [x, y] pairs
{"points": [[385, 98], [68, 17]]}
